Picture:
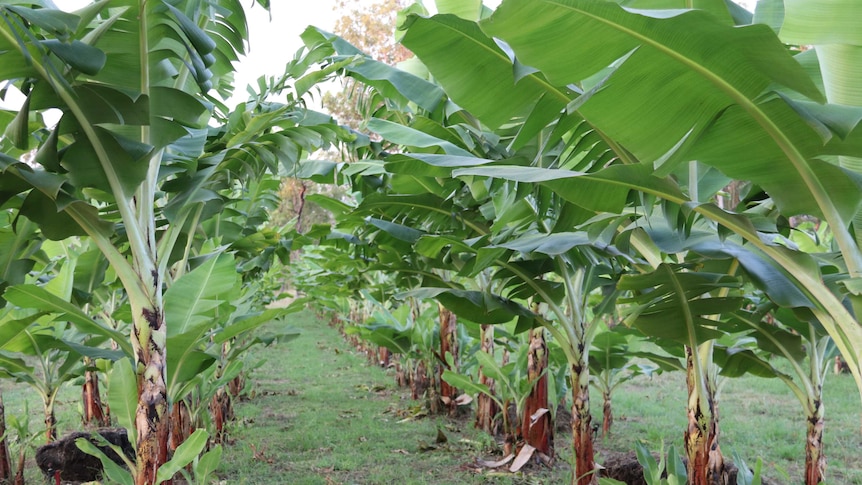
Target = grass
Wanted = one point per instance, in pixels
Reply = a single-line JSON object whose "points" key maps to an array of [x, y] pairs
{"points": [[322, 415], [759, 418], [325, 416], [319, 414]]}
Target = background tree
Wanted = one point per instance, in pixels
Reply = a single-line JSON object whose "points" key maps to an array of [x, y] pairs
{"points": [[371, 28]]}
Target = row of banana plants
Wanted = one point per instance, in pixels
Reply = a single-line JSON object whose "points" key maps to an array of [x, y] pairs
{"points": [[134, 205], [558, 163]]}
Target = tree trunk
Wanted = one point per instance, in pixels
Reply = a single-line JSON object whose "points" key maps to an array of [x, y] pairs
{"points": [[152, 417], [19, 474], [815, 460], [400, 375], [582, 430], [93, 408], [537, 427], [486, 408], [22, 460], [5, 461], [221, 410], [181, 425], [50, 423], [705, 462], [419, 384], [448, 345], [607, 415], [236, 385], [383, 357]]}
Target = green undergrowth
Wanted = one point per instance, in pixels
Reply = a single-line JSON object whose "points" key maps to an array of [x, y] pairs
{"points": [[758, 418], [318, 413], [321, 414]]}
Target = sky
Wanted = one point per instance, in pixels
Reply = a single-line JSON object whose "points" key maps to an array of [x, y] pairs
{"points": [[272, 44]]}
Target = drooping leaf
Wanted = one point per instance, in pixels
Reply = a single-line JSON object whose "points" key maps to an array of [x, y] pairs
{"points": [[32, 296], [112, 471], [476, 306], [671, 304], [435, 39], [80, 56], [123, 396], [183, 455], [191, 300]]}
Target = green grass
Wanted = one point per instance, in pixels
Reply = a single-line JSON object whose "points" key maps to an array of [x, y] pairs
{"points": [[321, 415], [759, 418], [320, 420]]}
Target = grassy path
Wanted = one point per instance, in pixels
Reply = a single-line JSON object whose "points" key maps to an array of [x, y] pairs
{"points": [[321, 415]]}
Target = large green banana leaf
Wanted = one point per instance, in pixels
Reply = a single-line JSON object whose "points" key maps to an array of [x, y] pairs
{"points": [[481, 77], [670, 304], [193, 305], [689, 86]]}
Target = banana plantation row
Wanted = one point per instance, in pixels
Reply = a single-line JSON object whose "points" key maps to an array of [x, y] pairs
{"points": [[568, 174]]}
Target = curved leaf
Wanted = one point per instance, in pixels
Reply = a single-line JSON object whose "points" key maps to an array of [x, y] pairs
{"points": [[191, 300], [32, 296], [669, 304], [123, 396], [685, 93], [186, 453], [78, 55], [482, 74]]}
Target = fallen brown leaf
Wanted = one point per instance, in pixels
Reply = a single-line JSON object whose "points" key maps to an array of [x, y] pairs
{"points": [[495, 464], [523, 457]]}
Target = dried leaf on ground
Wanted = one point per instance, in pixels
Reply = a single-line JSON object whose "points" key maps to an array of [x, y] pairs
{"points": [[523, 457], [495, 464]]}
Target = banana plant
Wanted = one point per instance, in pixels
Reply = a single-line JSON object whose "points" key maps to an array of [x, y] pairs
{"points": [[801, 341], [137, 84], [24, 440], [685, 307], [741, 109], [669, 470], [128, 91], [56, 361], [611, 364], [512, 388], [411, 331], [34, 326]]}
